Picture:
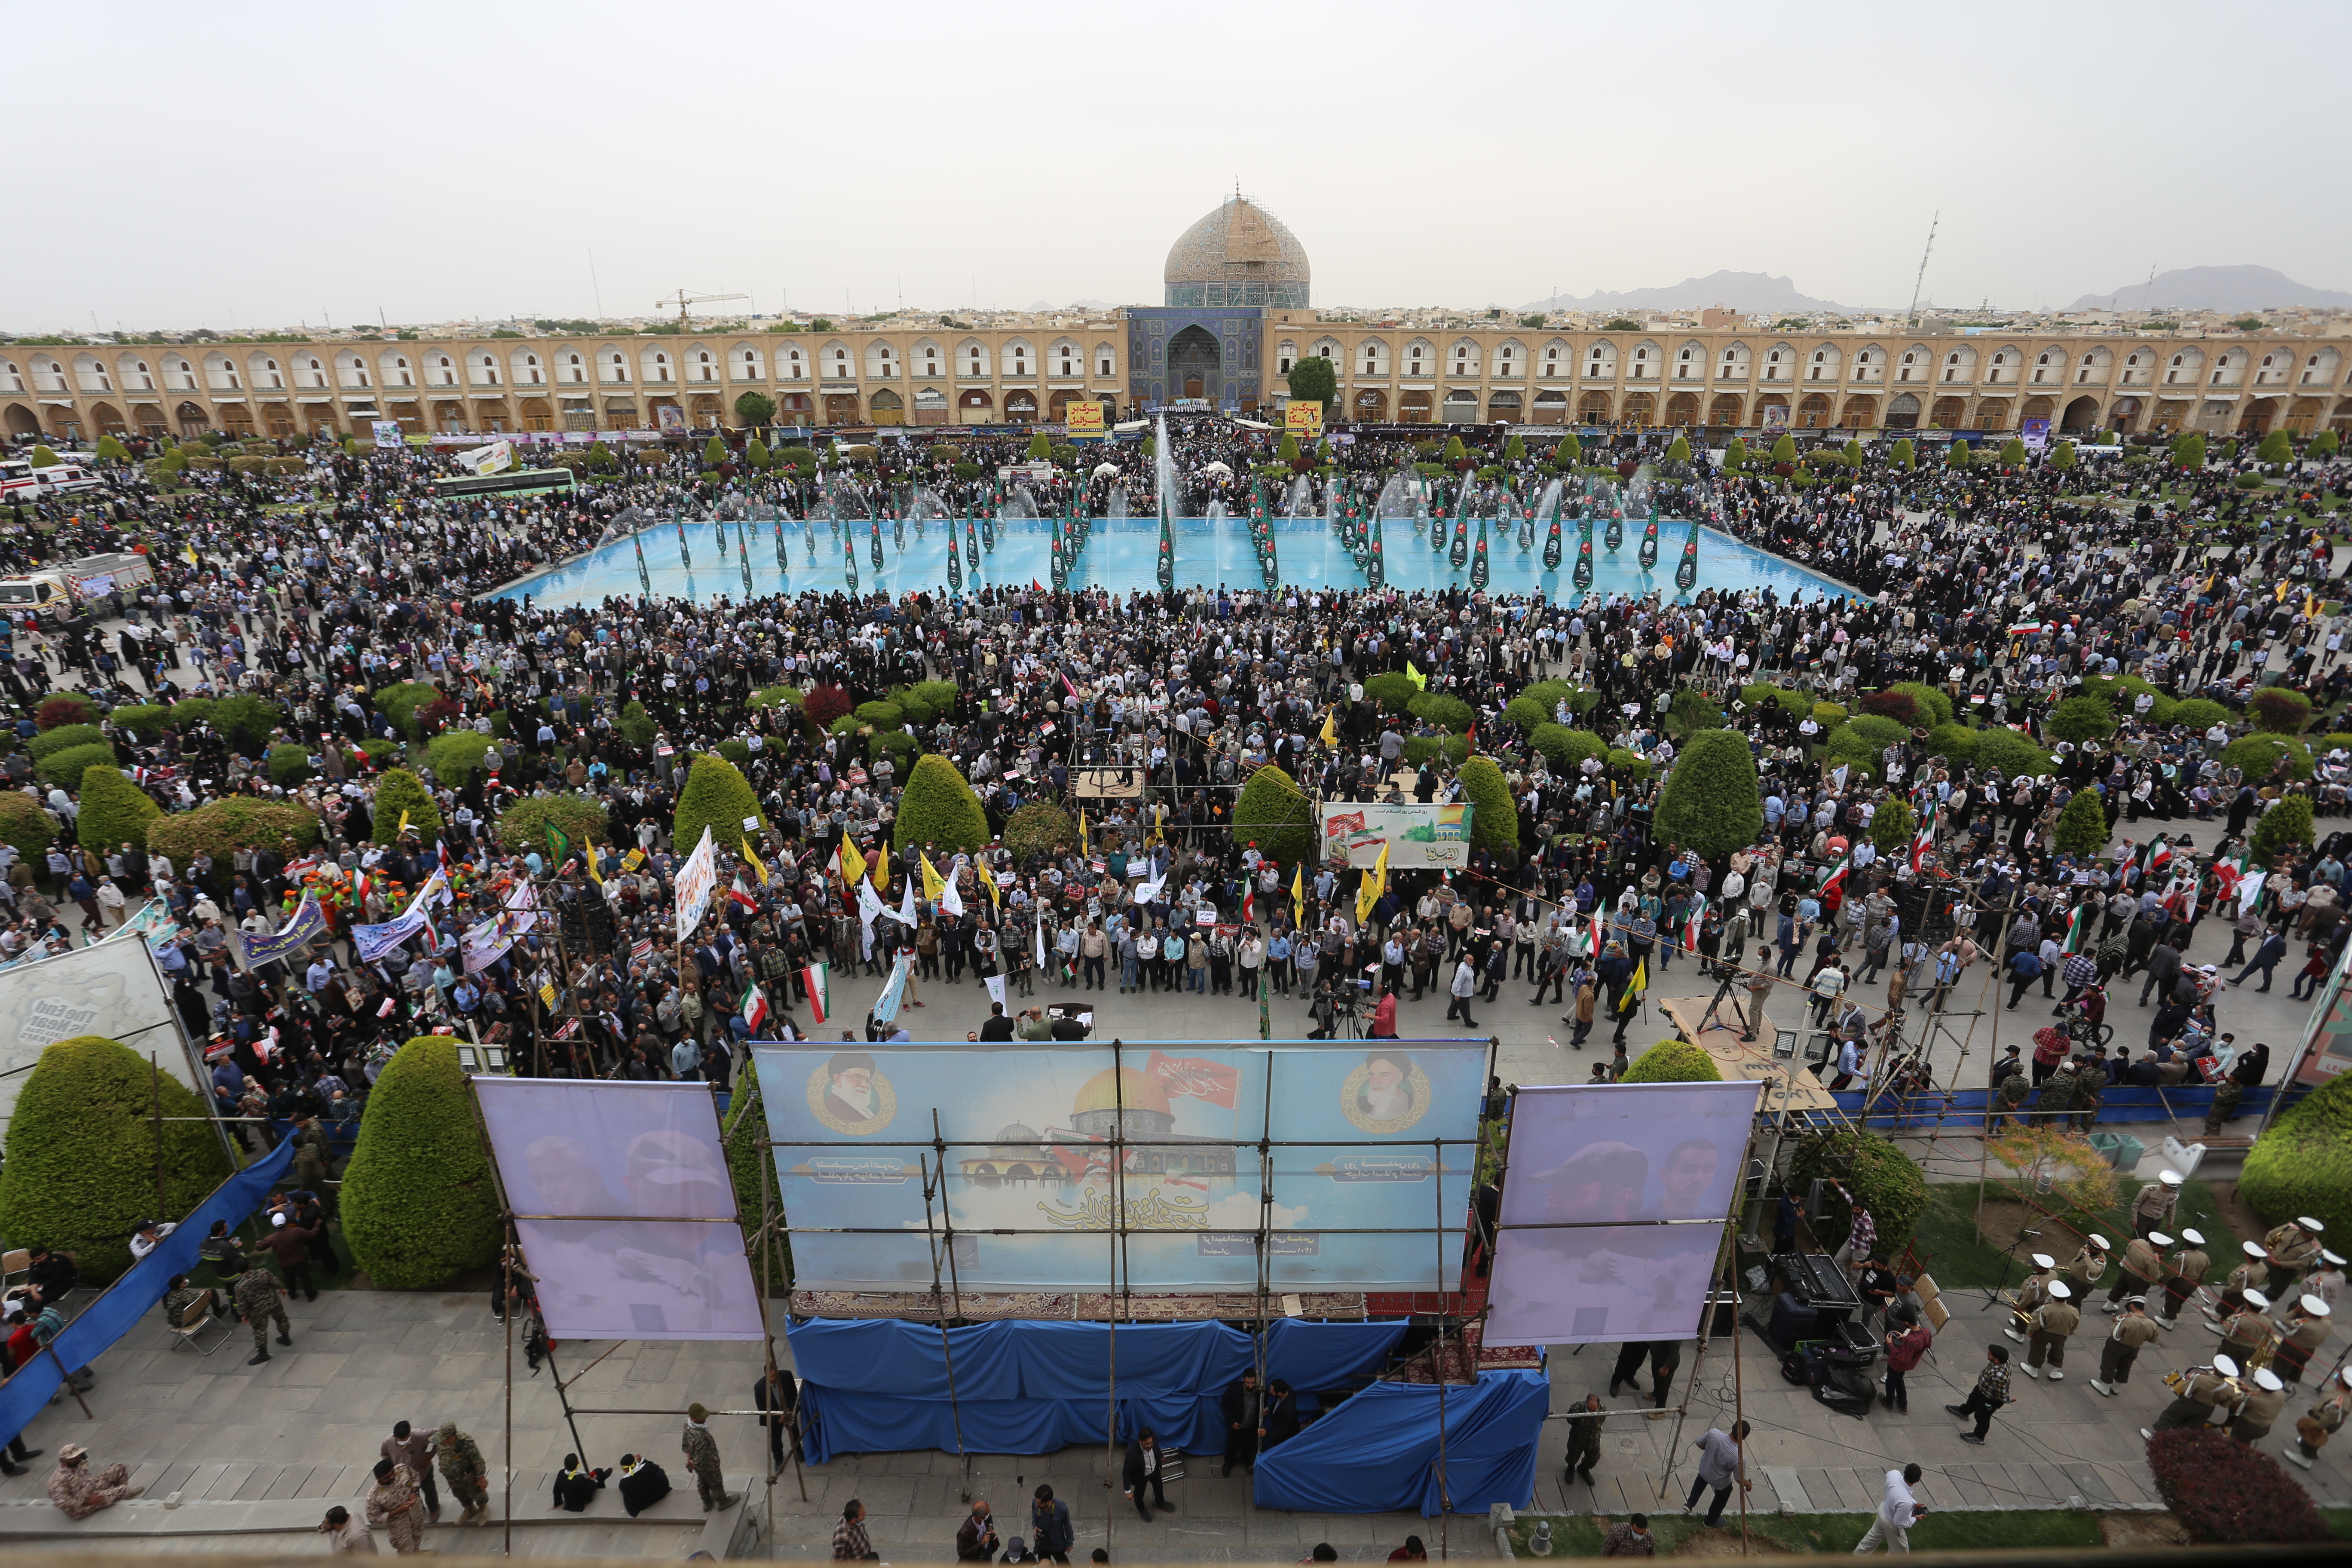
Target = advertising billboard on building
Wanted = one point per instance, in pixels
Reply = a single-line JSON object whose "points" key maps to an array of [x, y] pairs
{"points": [[1613, 1210], [1303, 417], [1418, 837], [1083, 420], [1358, 1196]]}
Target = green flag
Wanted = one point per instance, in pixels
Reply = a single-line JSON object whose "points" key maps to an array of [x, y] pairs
{"points": [[558, 843]]}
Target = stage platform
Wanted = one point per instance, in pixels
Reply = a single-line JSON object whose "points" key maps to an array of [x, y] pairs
{"points": [[1793, 1088], [1076, 1306]]}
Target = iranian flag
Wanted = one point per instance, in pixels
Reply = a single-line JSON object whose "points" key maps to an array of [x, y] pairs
{"points": [[813, 982], [1923, 838], [2160, 855], [2078, 926], [1600, 933], [1690, 926], [1834, 872], [755, 1008]]}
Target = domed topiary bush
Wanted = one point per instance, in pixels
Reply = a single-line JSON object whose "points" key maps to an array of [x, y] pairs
{"points": [[419, 1207], [1274, 816], [50, 743], [1711, 802], [1884, 1178], [1494, 821], [1674, 1061], [400, 793], [939, 810], [1036, 827], [114, 811], [25, 824], [2225, 1490], [65, 768], [522, 827], [2302, 1165], [2083, 826], [716, 796], [80, 1171]]}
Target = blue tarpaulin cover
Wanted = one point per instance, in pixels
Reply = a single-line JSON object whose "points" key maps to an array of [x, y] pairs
{"points": [[1028, 1388], [1378, 1452], [124, 1302]]}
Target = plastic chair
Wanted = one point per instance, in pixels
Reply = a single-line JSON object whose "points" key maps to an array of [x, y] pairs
{"points": [[193, 1333]]}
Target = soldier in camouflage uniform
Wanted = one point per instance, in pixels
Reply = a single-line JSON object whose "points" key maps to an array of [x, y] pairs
{"points": [[312, 1163], [259, 1302], [2226, 1095], [702, 1457], [462, 1467], [181, 1297], [2008, 1099], [2057, 1096]]}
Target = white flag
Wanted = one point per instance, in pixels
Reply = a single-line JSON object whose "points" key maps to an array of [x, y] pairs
{"points": [[1149, 891], [696, 880], [906, 915], [950, 896], [995, 983], [870, 907]]}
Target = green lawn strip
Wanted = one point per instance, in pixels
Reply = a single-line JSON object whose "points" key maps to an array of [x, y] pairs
{"points": [[1944, 1236], [2339, 1519], [1579, 1535]]}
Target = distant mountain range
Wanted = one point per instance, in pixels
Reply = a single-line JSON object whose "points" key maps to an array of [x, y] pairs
{"points": [[2215, 289], [1755, 293]]}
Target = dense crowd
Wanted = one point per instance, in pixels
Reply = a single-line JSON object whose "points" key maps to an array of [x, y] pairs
{"points": [[1993, 597]]}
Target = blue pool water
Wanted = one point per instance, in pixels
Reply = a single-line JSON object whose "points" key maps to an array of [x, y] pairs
{"points": [[1122, 554]]}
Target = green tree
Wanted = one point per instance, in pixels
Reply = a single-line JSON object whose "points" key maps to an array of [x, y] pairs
{"points": [[1041, 449], [1679, 450], [601, 460], [1784, 451], [938, 808], [456, 755], [2188, 450], [43, 457], [1891, 828], [418, 1203], [65, 768], [2081, 719], [1623, 324], [1287, 448], [716, 796], [114, 811], [638, 727], [1882, 1176], [1957, 456], [1735, 455], [24, 825], [2324, 444], [2083, 826], [756, 452], [1455, 451], [523, 825], [2282, 826], [2012, 453], [1274, 816], [402, 794], [1851, 452], [1569, 452], [1711, 802], [1904, 455], [1037, 828], [2302, 1165], [1515, 450], [2275, 448], [1495, 816], [2062, 456], [110, 450], [1674, 1061], [755, 408], [1313, 380], [80, 1171]]}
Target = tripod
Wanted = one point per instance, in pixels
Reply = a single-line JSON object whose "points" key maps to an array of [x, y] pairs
{"points": [[1723, 993], [2008, 1256]]}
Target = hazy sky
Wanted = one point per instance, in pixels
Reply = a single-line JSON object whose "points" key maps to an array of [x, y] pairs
{"points": [[268, 164]]}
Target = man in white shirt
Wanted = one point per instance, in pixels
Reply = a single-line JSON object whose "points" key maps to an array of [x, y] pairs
{"points": [[1896, 1514]]}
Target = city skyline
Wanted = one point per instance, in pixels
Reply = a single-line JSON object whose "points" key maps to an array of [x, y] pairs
{"points": [[477, 165]]}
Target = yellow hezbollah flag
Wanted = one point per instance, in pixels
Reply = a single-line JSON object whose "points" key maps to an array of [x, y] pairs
{"points": [[1331, 726], [188, 552], [853, 864], [1375, 883], [1082, 830], [1415, 676], [882, 865], [757, 864], [1641, 980], [932, 880], [596, 876], [1298, 895], [402, 827], [988, 881]]}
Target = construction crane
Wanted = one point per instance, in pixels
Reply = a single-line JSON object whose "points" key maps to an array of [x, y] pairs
{"points": [[685, 298], [1919, 282]]}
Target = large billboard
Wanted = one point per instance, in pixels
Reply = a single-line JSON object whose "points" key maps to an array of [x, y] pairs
{"points": [[1418, 837], [624, 1206], [112, 989], [1613, 1207], [1357, 1196]]}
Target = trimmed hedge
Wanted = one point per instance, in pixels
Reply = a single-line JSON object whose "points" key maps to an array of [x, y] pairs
{"points": [[80, 1172], [2010, 753], [66, 767], [939, 810], [1494, 821], [223, 826], [289, 763], [455, 757], [1674, 1061], [400, 791], [247, 721], [1036, 827], [26, 824], [1711, 802], [1566, 749], [114, 811], [399, 702], [1889, 1185], [2225, 1490], [523, 825], [2302, 1165], [50, 743], [716, 796], [2256, 755], [144, 720], [1272, 814], [418, 1205]]}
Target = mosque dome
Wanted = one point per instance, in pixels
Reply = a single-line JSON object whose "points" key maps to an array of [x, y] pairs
{"points": [[1019, 1133], [1240, 254], [1138, 1090]]}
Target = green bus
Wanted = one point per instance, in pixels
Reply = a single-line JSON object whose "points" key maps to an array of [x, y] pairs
{"points": [[554, 480]]}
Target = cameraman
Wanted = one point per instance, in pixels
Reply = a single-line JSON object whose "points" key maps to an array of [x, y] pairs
{"points": [[1325, 1010]]}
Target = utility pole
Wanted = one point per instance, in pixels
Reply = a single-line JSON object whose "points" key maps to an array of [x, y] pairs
{"points": [[1920, 281]]}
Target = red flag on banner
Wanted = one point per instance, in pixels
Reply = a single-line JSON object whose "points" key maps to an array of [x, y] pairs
{"points": [[1197, 1077]]}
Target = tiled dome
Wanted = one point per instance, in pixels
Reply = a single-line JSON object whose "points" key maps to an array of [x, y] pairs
{"points": [[1238, 255]]}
